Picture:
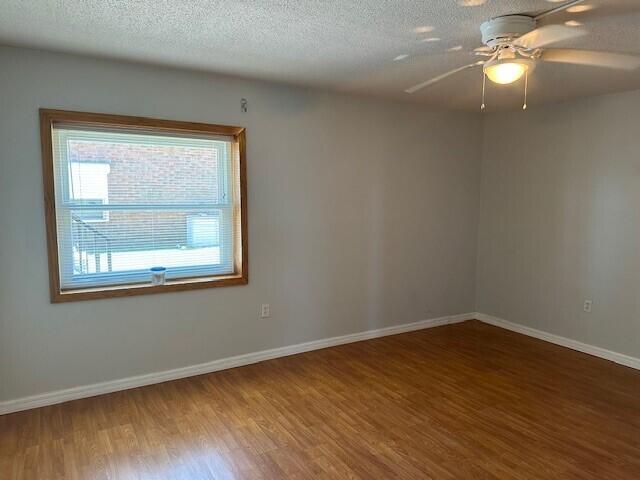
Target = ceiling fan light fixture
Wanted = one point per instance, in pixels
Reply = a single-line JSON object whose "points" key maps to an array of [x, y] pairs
{"points": [[506, 71]]}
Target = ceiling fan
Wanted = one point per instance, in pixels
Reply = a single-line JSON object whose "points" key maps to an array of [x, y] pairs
{"points": [[514, 44]]}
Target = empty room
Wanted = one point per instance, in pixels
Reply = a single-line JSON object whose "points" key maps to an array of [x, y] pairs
{"points": [[280, 239]]}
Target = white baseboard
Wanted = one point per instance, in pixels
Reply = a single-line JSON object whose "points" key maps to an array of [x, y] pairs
{"points": [[75, 393], [85, 391], [616, 357]]}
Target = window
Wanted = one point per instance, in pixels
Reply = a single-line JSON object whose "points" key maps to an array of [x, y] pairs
{"points": [[124, 195], [88, 185]]}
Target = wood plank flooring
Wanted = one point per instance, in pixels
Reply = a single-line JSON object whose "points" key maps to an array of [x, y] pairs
{"points": [[465, 401]]}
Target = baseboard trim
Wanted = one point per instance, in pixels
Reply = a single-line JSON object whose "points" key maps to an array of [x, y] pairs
{"points": [[75, 393], [616, 357]]}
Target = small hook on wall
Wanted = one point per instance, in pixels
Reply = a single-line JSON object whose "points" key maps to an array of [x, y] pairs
{"points": [[243, 105]]}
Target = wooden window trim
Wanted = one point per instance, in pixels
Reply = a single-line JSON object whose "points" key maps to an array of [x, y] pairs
{"points": [[48, 118]]}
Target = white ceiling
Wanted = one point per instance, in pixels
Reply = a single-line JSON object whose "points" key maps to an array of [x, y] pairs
{"points": [[337, 44]]}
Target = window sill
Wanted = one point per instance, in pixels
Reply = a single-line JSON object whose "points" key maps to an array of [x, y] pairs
{"points": [[144, 289]]}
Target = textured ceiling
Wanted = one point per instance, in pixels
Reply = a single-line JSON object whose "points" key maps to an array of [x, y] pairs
{"points": [[341, 45]]}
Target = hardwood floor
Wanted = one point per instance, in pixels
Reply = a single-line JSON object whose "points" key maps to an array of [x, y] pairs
{"points": [[465, 401]]}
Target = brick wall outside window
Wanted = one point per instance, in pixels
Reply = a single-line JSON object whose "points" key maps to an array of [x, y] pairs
{"points": [[150, 174]]}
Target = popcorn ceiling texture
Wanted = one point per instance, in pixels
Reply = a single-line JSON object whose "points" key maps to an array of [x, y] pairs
{"points": [[339, 45]]}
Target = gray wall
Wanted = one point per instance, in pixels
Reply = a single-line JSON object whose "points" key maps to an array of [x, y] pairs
{"points": [[362, 214], [560, 220]]}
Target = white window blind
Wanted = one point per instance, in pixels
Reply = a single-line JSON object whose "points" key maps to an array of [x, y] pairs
{"points": [[127, 201]]}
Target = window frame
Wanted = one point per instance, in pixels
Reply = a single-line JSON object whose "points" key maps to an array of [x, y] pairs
{"points": [[240, 276]]}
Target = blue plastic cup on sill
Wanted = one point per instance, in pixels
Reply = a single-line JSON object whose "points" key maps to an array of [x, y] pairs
{"points": [[158, 275]]}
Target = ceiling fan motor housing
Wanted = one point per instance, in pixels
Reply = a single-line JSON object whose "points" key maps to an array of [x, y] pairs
{"points": [[501, 30]]}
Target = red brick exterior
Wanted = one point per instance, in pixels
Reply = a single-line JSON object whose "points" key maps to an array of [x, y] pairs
{"points": [[149, 174]]}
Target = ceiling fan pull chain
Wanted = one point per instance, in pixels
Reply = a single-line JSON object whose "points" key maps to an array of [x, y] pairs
{"points": [[484, 81], [526, 85]]}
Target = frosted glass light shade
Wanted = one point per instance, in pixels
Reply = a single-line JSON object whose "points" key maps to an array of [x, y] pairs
{"points": [[505, 73]]}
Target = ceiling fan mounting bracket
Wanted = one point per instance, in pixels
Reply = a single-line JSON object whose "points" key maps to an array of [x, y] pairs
{"points": [[501, 31]]}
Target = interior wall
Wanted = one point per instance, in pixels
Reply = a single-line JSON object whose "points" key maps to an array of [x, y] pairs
{"points": [[560, 220], [362, 214]]}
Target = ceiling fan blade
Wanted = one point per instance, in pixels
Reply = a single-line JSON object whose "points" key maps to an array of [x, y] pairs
{"points": [[557, 9], [484, 51], [422, 85], [547, 35], [592, 58]]}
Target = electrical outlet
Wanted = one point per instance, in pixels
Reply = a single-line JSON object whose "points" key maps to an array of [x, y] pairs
{"points": [[587, 306], [265, 310]]}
